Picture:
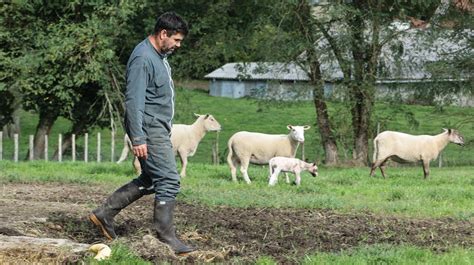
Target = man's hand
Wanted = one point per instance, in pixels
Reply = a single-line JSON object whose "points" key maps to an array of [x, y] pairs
{"points": [[140, 151]]}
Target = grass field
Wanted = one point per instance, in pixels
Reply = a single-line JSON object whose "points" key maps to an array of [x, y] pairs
{"points": [[447, 195], [253, 115]]}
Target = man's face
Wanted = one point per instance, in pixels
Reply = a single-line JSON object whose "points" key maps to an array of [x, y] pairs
{"points": [[171, 43]]}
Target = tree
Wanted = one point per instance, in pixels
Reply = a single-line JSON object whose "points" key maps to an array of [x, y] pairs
{"points": [[220, 32], [69, 54], [344, 38], [12, 43]]}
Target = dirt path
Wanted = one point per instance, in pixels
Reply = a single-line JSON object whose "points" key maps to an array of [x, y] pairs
{"points": [[223, 233]]}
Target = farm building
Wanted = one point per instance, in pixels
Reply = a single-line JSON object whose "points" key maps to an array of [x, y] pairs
{"points": [[406, 78], [260, 80]]}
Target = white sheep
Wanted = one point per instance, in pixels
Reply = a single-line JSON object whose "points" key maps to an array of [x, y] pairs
{"points": [[286, 164], [404, 148], [125, 150], [184, 138], [258, 148]]}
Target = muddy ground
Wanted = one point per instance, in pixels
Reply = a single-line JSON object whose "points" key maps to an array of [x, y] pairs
{"points": [[59, 211]]}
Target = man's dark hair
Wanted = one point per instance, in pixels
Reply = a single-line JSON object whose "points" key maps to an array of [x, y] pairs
{"points": [[172, 23]]}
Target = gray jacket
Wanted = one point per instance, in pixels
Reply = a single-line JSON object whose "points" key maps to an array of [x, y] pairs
{"points": [[149, 96]]}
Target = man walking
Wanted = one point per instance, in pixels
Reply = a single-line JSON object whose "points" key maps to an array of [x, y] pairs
{"points": [[149, 101]]}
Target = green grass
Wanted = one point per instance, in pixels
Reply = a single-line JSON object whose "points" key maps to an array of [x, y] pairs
{"points": [[121, 254], [377, 254], [253, 115], [386, 254], [448, 193]]}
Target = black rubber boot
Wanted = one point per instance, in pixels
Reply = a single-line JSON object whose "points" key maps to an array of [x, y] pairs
{"points": [[163, 224], [103, 216]]}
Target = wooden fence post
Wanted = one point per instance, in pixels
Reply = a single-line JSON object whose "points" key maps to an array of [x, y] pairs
{"points": [[45, 147], [86, 147], [15, 154], [31, 149], [112, 146], [1, 145], [98, 147], [73, 147], [60, 149]]}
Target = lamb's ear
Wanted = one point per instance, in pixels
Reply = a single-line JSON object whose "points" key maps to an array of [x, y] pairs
{"points": [[450, 131], [207, 116], [197, 115], [289, 127], [306, 127]]}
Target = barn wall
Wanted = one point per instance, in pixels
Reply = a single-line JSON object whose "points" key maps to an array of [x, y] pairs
{"points": [[289, 90]]}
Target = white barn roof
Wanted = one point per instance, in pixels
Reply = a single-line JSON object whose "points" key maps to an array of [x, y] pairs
{"points": [[259, 71]]}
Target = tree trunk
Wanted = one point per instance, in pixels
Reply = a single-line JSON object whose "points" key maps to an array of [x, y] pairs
{"points": [[45, 123], [361, 113], [322, 116], [10, 129], [361, 91]]}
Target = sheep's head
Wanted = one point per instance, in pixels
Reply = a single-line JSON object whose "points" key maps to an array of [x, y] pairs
{"points": [[313, 169], [297, 132], [455, 136], [210, 123]]}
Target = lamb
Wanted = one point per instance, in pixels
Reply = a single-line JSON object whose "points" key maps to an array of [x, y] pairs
{"points": [[404, 148], [258, 148], [184, 138], [286, 164]]}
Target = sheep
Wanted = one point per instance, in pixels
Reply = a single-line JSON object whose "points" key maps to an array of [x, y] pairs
{"points": [[184, 138], [404, 148], [125, 150], [258, 148], [287, 164]]}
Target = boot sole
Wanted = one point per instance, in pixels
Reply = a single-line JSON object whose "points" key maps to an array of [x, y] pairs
{"points": [[99, 224], [184, 254]]}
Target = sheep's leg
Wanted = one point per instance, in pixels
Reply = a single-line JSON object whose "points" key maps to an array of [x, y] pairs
{"points": [[136, 165], [124, 154], [287, 177], [426, 168], [383, 166], [298, 178], [274, 177], [126, 148], [244, 165], [270, 169], [375, 166], [184, 163], [233, 163]]}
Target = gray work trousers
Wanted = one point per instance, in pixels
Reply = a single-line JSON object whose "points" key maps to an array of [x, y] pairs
{"points": [[159, 173]]}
